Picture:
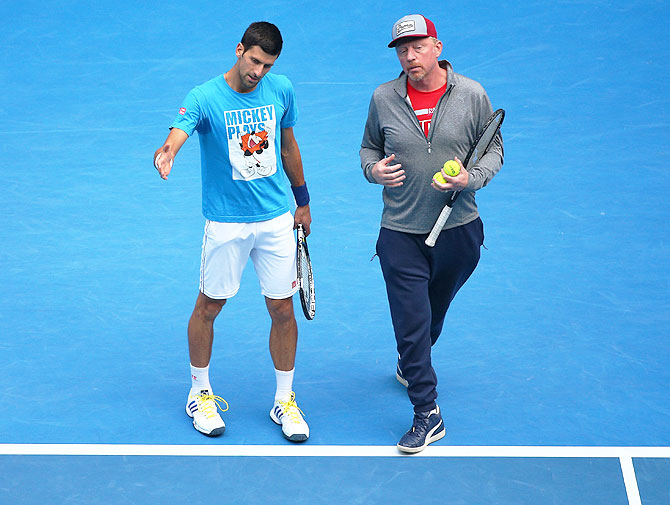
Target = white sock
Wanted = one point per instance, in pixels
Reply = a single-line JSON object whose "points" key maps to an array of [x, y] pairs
{"points": [[200, 378], [284, 384]]}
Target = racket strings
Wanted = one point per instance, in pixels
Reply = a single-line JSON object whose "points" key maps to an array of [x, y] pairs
{"points": [[305, 279], [304, 271]]}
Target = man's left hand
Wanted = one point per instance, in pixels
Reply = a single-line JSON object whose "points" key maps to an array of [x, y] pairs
{"points": [[457, 183]]}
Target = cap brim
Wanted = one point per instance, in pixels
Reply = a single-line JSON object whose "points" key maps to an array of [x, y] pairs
{"points": [[407, 37]]}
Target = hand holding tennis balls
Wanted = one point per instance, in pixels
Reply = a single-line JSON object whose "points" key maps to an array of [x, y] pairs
{"points": [[451, 168]]}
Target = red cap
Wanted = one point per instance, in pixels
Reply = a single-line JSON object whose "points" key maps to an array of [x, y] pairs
{"points": [[412, 26]]}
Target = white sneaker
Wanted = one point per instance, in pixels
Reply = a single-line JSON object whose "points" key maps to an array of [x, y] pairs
{"points": [[202, 407], [288, 415]]}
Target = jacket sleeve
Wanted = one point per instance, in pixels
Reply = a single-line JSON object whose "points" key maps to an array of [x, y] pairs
{"points": [[372, 146], [489, 164]]}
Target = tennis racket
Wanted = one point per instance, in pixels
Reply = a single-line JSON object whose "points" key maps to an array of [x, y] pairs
{"points": [[478, 149], [305, 277]]}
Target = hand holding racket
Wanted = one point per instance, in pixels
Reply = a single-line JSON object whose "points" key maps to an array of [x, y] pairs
{"points": [[305, 277], [478, 149]]}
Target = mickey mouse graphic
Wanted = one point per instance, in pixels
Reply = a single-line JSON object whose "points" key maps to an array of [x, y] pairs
{"points": [[253, 144]]}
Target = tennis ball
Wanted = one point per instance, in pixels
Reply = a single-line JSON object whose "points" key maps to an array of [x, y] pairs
{"points": [[439, 178], [451, 168]]}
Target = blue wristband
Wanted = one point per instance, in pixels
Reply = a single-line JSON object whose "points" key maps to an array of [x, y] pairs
{"points": [[301, 195]]}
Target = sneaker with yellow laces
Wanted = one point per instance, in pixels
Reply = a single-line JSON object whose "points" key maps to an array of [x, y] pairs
{"points": [[287, 414], [203, 407]]}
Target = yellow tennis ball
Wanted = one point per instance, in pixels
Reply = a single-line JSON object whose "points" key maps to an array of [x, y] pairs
{"points": [[439, 178], [451, 168]]}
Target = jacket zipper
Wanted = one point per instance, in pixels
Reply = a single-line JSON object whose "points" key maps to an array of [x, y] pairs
{"points": [[435, 117], [433, 123]]}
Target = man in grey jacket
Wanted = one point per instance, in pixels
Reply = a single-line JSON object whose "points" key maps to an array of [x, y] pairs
{"points": [[415, 123]]}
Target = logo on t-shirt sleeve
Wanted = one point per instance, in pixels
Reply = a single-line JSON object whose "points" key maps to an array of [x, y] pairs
{"points": [[182, 110]]}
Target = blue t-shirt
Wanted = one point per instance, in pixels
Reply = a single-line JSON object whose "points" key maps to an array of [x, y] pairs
{"points": [[243, 180]]}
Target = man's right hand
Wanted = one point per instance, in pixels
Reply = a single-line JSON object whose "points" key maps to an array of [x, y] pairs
{"points": [[386, 174], [163, 160]]}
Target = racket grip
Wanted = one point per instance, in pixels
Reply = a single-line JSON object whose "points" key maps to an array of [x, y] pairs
{"points": [[437, 227]]}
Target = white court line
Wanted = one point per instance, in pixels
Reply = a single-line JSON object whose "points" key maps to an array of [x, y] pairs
{"points": [[630, 481], [444, 451], [624, 454]]}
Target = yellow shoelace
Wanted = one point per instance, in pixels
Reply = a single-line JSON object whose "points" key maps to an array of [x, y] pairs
{"points": [[209, 403], [291, 408]]}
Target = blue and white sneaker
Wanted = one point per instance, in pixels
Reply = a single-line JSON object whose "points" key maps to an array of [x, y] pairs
{"points": [[203, 407], [289, 416], [426, 429], [398, 374]]}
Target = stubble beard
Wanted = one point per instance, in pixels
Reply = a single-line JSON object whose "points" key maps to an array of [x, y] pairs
{"points": [[248, 83], [416, 77]]}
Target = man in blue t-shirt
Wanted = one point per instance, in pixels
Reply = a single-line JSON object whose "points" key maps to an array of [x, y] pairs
{"points": [[244, 119]]}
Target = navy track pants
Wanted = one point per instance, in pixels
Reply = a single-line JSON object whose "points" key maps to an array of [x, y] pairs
{"points": [[421, 282]]}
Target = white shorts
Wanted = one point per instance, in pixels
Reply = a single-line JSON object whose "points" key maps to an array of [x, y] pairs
{"points": [[226, 247]]}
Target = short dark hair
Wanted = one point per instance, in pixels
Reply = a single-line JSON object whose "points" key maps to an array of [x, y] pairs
{"points": [[264, 35]]}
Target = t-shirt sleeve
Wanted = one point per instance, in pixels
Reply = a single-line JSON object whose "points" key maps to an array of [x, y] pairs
{"points": [[189, 117], [290, 117]]}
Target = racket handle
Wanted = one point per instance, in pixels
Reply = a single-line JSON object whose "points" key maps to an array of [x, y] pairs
{"points": [[437, 227]]}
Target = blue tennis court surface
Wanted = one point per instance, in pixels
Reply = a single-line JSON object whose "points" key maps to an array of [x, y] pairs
{"points": [[559, 340], [313, 480]]}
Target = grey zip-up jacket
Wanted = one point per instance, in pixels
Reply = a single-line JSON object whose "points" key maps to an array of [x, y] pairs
{"points": [[392, 127]]}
